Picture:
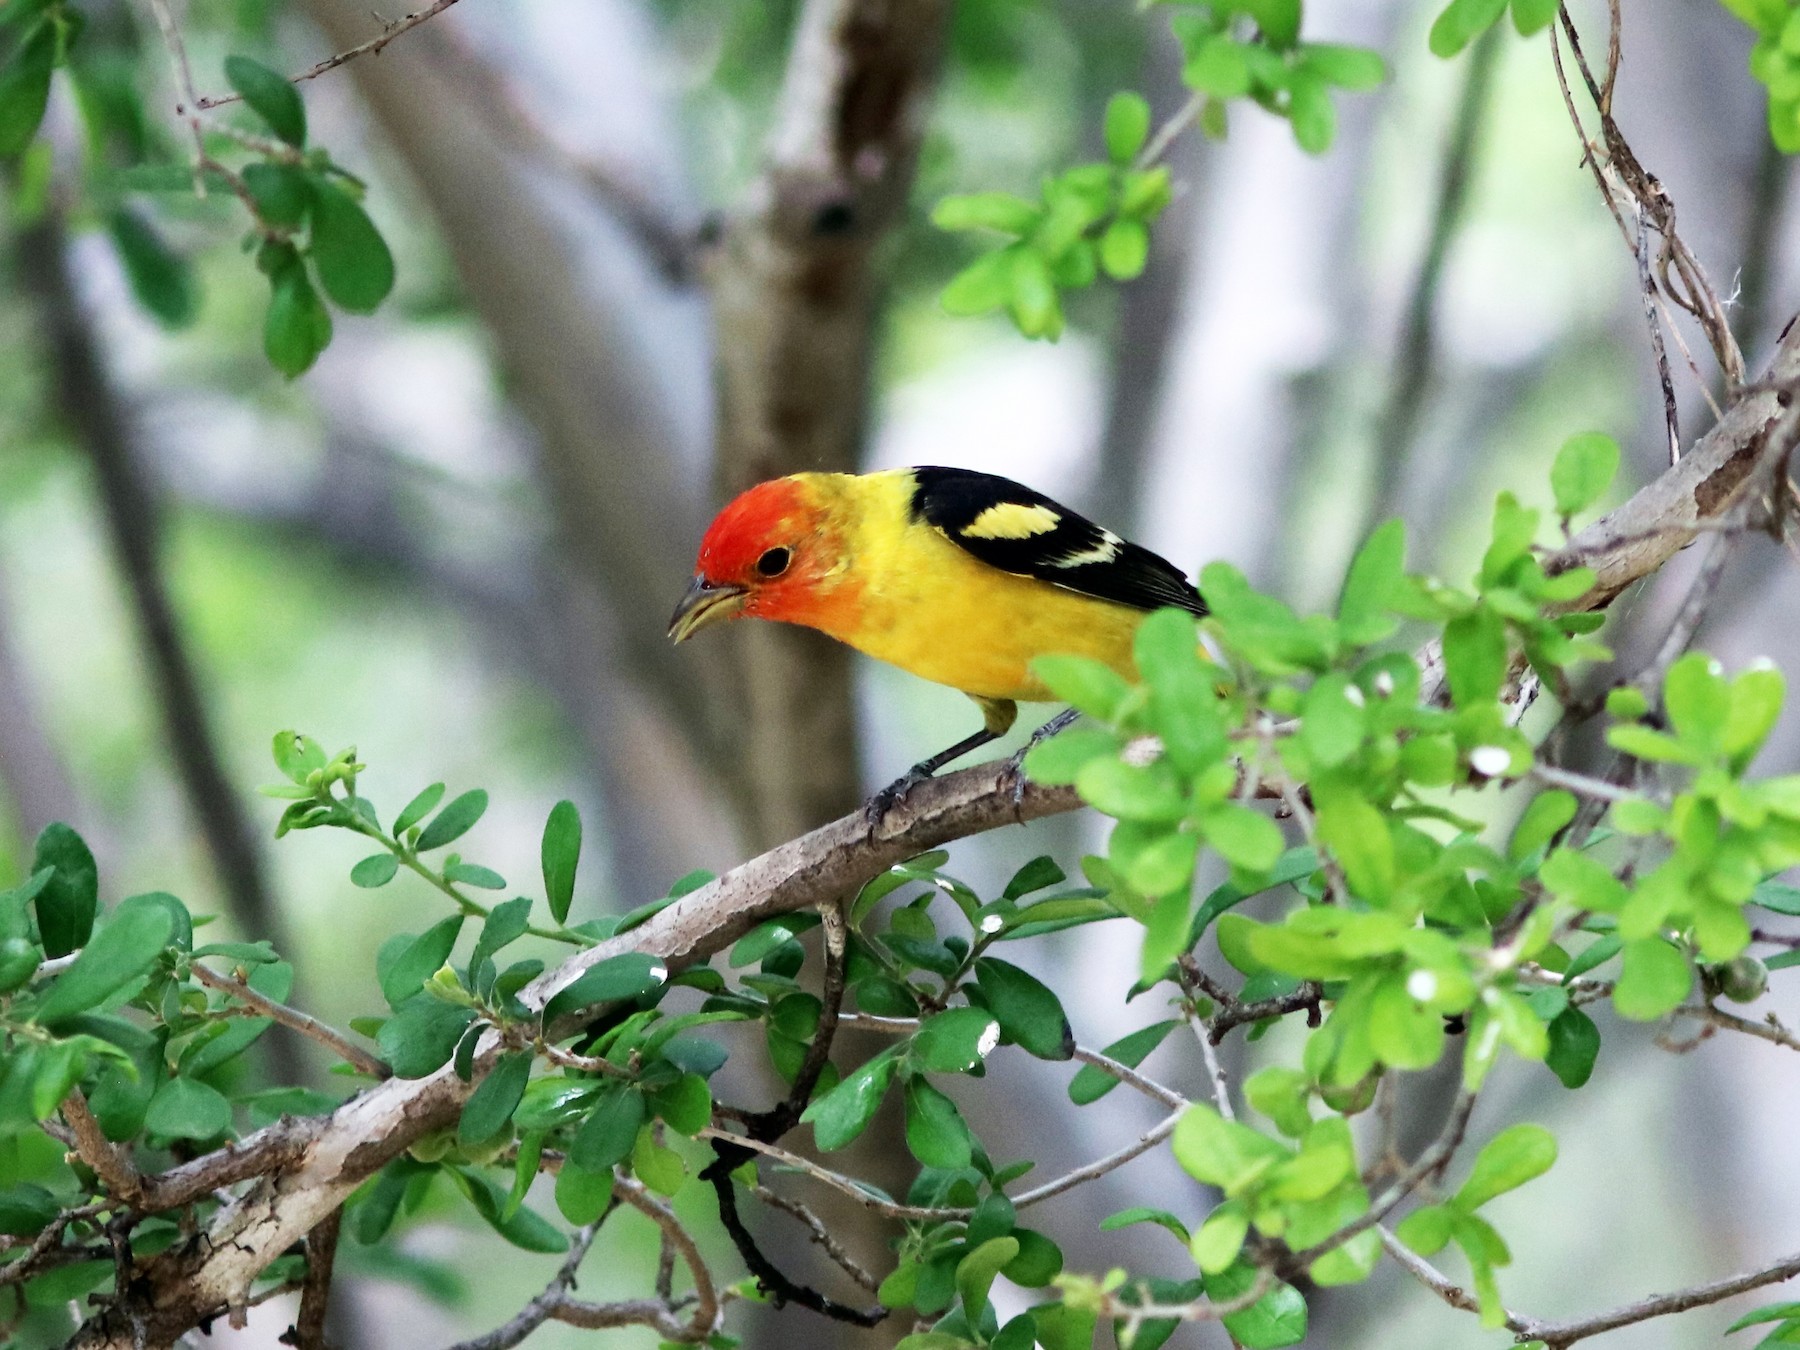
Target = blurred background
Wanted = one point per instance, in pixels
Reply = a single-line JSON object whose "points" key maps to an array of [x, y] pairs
{"points": [[455, 543]]}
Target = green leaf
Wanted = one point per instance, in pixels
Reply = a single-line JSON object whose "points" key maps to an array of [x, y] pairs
{"points": [[840, 1115], [374, 871], [184, 1108], [1370, 585], [1091, 1084], [1311, 112], [956, 1040], [1125, 249], [1774, 1312], [1032, 294], [116, 955], [607, 1136], [473, 874], [1218, 1241], [1357, 834], [491, 1105], [1511, 1158], [975, 1272], [280, 192], [505, 924], [935, 1132], [160, 278], [1698, 700], [1333, 718], [1028, 1011], [1756, 699], [1653, 981], [1461, 22], [1585, 465], [1583, 882], [582, 1196], [561, 851], [1142, 792], [420, 1037], [1277, 1319], [355, 265], [686, 1104], [25, 89], [297, 327], [454, 821], [1217, 66], [1574, 1045], [627, 975], [1547, 814], [270, 97], [1222, 1152], [26, 1209], [1127, 126], [1087, 684], [1475, 656], [417, 809], [1357, 69], [525, 1229], [420, 960], [1002, 212], [1531, 16], [69, 899], [981, 287]]}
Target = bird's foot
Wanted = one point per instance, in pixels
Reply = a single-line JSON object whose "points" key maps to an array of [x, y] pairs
{"points": [[875, 810], [1013, 775]]}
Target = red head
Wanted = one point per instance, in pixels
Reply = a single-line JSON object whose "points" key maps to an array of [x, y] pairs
{"points": [[770, 554]]}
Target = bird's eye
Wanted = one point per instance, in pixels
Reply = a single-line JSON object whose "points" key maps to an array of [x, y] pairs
{"points": [[774, 562]]}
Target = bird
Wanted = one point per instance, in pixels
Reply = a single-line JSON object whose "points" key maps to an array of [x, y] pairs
{"points": [[958, 576]]}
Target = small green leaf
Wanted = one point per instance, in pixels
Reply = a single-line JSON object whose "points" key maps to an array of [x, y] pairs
{"points": [[1311, 112], [1222, 1152], [25, 88], [1095, 688], [1370, 585], [1461, 22], [160, 278], [184, 1108], [1218, 1241], [113, 957], [1585, 465], [270, 97], [1127, 126], [1091, 1084], [280, 192], [454, 821], [1531, 16], [1475, 656], [956, 1040], [1698, 700], [1511, 1158], [608, 1135], [840, 1115], [582, 1196], [420, 1037], [417, 809], [355, 265], [999, 211], [1333, 718], [420, 960], [561, 852], [1548, 813], [1125, 249], [627, 975], [374, 871], [67, 902], [1357, 69], [935, 1132], [298, 326], [491, 1105], [505, 924], [975, 1272], [1574, 1045], [1653, 980], [686, 1104], [1028, 1011]]}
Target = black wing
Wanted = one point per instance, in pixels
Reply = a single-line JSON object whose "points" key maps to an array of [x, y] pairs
{"points": [[1009, 526]]}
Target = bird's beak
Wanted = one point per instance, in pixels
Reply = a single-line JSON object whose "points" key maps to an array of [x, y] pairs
{"points": [[704, 602]]}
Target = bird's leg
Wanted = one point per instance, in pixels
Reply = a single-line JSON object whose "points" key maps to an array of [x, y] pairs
{"points": [[997, 717], [1015, 767], [890, 796]]}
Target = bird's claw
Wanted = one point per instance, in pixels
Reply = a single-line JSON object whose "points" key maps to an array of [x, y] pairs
{"points": [[875, 810]]}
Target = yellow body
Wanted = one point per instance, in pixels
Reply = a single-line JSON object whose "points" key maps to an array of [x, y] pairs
{"points": [[903, 593]]}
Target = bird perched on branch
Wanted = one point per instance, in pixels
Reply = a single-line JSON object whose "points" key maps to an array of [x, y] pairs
{"points": [[957, 576]]}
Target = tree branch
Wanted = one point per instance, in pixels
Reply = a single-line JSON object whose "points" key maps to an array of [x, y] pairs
{"points": [[295, 1020]]}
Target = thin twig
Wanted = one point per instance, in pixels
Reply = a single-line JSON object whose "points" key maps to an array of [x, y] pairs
{"points": [[1647, 286], [1561, 1335], [820, 1234], [304, 1023], [535, 1313], [370, 48], [315, 1290], [1770, 1029], [1101, 1166], [108, 1161]]}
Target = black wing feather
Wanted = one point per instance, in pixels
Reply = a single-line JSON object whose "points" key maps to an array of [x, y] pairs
{"points": [[1070, 551]]}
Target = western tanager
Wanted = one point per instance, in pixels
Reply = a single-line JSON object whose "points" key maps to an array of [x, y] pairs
{"points": [[957, 576]]}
